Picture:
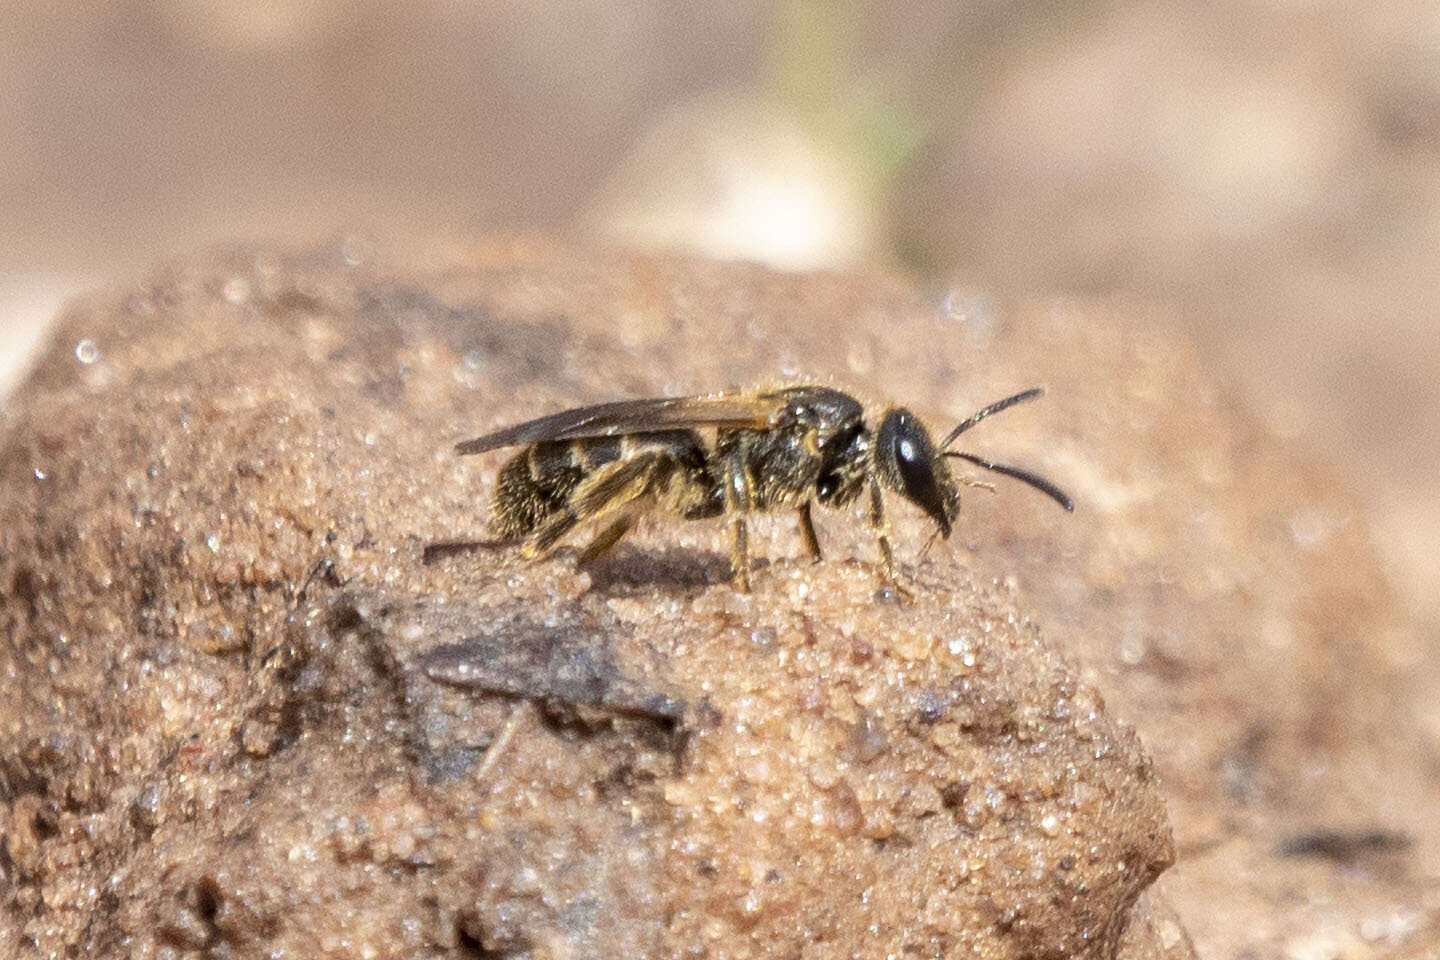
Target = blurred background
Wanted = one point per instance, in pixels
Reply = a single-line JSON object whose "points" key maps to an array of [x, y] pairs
{"points": [[1266, 171]]}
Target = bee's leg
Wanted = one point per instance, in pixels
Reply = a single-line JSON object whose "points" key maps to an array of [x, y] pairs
{"points": [[740, 553], [606, 539], [807, 532], [543, 542], [738, 501], [614, 486], [882, 536], [882, 532]]}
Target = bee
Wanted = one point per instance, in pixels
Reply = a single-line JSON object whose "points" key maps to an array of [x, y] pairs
{"points": [[788, 448]]}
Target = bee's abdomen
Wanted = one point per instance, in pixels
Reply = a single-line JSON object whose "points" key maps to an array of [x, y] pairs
{"points": [[533, 485], [538, 482]]}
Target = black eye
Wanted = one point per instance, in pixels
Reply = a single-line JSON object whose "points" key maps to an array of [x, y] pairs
{"points": [[913, 459]]}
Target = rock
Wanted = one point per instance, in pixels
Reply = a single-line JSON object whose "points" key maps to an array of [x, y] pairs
{"points": [[247, 720]]}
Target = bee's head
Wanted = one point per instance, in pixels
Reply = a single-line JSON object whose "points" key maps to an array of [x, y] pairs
{"points": [[908, 463]]}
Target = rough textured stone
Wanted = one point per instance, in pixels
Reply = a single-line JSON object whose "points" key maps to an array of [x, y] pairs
{"points": [[246, 720]]}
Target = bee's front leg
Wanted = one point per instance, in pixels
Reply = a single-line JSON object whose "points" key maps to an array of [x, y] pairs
{"points": [[882, 532], [882, 537]]}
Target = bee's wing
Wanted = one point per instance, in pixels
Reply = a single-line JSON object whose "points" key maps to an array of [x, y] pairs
{"points": [[736, 411]]}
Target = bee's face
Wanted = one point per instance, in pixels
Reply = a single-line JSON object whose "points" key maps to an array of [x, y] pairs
{"points": [[908, 463]]}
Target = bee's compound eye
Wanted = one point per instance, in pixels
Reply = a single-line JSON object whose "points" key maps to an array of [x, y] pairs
{"points": [[915, 469], [914, 459]]}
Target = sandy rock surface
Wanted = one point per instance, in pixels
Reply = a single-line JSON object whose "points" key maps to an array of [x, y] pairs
{"points": [[244, 719]]}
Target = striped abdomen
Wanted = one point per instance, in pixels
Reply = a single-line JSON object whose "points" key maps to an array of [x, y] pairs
{"points": [[540, 481]]}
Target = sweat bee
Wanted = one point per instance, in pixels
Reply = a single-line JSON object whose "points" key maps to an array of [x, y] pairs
{"points": [[772, 449]]}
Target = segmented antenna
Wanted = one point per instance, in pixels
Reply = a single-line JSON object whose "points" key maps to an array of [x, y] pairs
{"points": [[995, 407], [1024, 476]]}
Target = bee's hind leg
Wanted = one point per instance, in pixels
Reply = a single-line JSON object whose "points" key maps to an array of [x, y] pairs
{"points": [[618, 485], [606, 539], [544, 541]]}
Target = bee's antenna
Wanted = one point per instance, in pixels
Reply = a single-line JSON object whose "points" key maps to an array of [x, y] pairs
{"points": [[1024, 476], [995, 407]]}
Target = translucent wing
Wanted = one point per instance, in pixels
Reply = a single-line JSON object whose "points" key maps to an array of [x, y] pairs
{"points": [[735, 411]]}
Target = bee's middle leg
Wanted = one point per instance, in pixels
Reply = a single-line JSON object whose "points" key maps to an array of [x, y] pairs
{"points": [[807, 532], [738, 501], [740, 553]]}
